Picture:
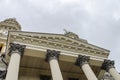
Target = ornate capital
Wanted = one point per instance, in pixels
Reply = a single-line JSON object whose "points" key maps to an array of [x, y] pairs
{"points": [[52, 54], [16, 48], [107, 64], [81, 60]]}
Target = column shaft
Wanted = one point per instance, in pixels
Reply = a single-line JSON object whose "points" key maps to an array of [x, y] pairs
{"points": [[15, 51], [114, 73], [52, 57], [13, 68], [82, 62], [55, 70], [88, 72]]}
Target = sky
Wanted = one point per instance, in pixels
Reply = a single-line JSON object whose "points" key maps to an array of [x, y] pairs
{"points": [[97, 21]]}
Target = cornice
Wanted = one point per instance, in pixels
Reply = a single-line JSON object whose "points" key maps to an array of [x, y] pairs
{"points": [[37, 34], [80, 47]]}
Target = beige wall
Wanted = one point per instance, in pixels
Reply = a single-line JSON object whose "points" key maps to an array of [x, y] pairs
{"points": [[29, 77], [31, 74], [34, 74]]}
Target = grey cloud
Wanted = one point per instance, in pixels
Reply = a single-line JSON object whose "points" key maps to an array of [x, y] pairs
{"points": [[97, 21]]}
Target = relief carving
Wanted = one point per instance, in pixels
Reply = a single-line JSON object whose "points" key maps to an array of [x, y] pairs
{"points": [[16, 48], [52, 54]]}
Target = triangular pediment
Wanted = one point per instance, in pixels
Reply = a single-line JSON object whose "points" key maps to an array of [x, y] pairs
{"points": [[57, 41]]}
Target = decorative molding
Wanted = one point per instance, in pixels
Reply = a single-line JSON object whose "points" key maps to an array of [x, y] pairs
{"points": [[16, 48], [52, 54], [107, 64], [60, 42], [81, 60]]}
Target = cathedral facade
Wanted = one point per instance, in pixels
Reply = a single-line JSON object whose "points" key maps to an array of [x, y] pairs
{"points": [[48, 56]]}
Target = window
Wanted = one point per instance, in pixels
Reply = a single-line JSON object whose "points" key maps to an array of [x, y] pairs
{"points": [[73, 79], [45, 77]]}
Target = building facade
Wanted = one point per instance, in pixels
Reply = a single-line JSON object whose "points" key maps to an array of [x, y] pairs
{"points": [[48, 56]]}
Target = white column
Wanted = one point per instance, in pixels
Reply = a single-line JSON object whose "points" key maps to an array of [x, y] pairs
{"points": [[55, 70], [82, 61], [13, 68], [114, 73], [88, 72], [52, 56], [108, 65], [15, 51]]}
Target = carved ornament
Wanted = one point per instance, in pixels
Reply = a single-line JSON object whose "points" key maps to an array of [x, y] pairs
{"points": [[107, 64], [81, 60], [16, 48], [52, 54]]}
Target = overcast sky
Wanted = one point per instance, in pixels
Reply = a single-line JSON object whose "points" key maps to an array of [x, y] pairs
{"points": [[97, 21]]}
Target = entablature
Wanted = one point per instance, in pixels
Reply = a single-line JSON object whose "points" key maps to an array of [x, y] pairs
{"points": [[58, 41]]}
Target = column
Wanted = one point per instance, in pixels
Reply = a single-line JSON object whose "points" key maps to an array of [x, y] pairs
{"points": [[108, 65], [82, 61], [15, 51], [52, 57]]}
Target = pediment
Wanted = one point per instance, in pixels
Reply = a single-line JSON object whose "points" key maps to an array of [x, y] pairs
{"points": [[57, 41]]}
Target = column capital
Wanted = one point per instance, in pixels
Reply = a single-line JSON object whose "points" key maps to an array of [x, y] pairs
{"points": [[16, 48], [52, 54], [107, 64], [81, 60]]}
